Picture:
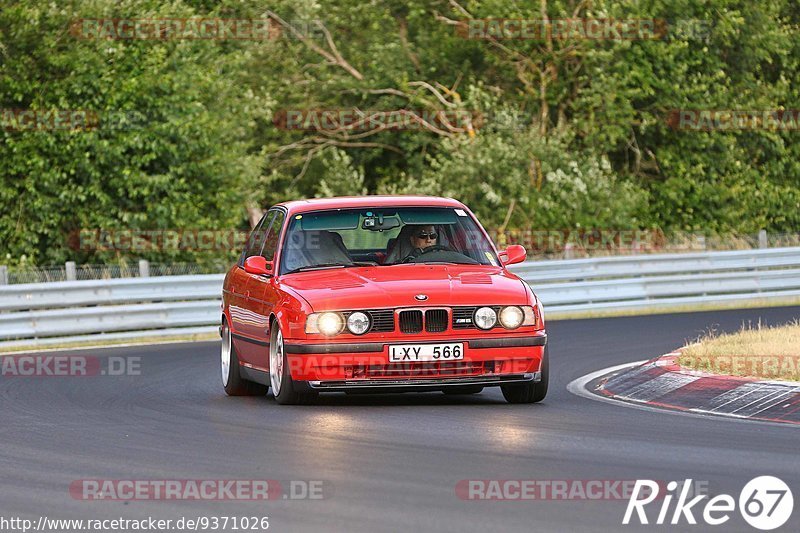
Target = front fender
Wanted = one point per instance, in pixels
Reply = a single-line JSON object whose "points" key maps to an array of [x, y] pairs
{"points": [[290, 314]]}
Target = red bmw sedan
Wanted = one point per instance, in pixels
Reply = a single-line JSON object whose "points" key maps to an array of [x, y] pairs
{"points": [[379, 293]]}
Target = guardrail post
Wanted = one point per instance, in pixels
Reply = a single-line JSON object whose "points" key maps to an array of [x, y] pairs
{"points": [[3, 275], [72, 271], [762, 238], [701, 241], [144, 268]]}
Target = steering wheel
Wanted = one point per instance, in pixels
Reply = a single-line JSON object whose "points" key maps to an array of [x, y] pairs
{"points": [[435, 248]]}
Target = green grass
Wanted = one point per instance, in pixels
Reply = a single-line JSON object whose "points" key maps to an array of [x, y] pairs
{"points": [[753, 351]]}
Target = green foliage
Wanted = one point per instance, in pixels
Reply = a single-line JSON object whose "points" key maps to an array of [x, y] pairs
{"points": [[170, 151], [604, 155], [567, 133]]}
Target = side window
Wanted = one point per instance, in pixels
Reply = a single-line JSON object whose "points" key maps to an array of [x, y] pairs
{"points": [[273, 234], [256, 239]]}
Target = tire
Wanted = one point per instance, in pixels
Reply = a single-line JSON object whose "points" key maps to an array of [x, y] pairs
{"points": [[529, 392], [463, 389], [280, 377], [232, 381]]}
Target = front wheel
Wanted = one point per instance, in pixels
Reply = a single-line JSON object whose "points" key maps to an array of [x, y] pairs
{"points": [[279, 376], [529, 392], [233, 382]]}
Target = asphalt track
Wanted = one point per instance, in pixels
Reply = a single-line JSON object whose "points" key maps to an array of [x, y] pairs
{"points": [[390, 463]]}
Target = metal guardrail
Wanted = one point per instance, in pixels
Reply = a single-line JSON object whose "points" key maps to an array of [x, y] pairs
{"points": [[148, 307], [650, 288], [646, 265], [33, 324], [109, 291]]}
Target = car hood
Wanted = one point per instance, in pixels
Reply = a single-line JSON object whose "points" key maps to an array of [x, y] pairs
{"points": [[397, 286]]}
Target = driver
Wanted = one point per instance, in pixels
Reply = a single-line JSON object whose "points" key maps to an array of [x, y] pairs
{"points": [[421, 238], [424, 237]]}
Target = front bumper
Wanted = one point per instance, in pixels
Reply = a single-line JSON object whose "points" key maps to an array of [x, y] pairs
{"points": [[414, 385], [487, 361]]}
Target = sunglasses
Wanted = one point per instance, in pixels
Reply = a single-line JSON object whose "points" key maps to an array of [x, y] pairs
{"points": [[424, 235]]}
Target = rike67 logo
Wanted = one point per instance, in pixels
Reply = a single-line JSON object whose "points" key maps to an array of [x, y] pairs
{"points": [[765, 503]]}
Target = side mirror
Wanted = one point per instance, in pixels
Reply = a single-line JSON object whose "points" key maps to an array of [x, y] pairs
{"points": [[513, 254], [258, 265]]}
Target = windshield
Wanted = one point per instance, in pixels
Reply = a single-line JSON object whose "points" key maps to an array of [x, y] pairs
{"points": [[383, 237]]}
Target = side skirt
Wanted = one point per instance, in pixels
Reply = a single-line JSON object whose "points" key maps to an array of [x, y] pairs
{"points": [[251, 374]]}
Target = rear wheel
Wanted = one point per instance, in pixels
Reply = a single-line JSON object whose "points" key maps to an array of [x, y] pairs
{"points": [[464, 389], [233, 382], [283, 387], [529, 392]]}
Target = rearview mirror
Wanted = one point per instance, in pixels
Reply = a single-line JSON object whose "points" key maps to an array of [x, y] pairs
{"points": [[258, 265], [513, 254], [379, 223]]}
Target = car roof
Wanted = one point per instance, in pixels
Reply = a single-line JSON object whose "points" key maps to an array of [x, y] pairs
{"points": [[349, 202]]}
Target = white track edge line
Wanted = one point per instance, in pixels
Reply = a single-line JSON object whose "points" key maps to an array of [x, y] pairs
{"points": [[104, 346]]}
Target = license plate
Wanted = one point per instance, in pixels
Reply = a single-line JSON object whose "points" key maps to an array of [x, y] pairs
{"points": [[399, 353]]}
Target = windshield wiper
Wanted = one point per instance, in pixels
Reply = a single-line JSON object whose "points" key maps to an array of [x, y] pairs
{"points": [[320, 266], [324, 266]]}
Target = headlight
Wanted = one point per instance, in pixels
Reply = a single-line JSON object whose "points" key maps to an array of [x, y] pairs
{"points": [[330, 323], [485, 318], [327, 323], [358, 323], [511, 317]]}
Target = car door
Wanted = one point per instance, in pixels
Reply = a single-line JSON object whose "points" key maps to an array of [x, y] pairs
{"points": [[244, 323], [263, 295]]}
